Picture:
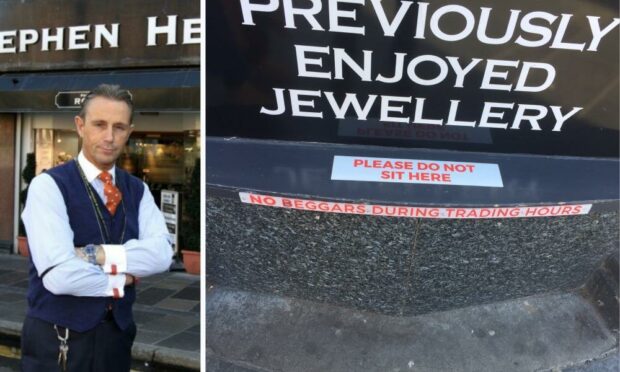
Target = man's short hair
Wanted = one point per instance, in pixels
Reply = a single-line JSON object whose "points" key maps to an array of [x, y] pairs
{"points": [[113, 92]]}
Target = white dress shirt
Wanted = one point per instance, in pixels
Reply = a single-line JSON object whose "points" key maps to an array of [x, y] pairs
{"points": [[51, 241]]}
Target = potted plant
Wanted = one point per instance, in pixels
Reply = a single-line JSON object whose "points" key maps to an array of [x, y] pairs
{"points": [[191, 225], [28, 174]]}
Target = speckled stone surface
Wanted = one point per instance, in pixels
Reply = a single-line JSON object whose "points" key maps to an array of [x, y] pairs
{"points": [[460, 262], [400, 266]]}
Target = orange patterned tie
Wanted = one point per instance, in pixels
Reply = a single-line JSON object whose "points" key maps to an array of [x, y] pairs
{"points": [[113, 195]]}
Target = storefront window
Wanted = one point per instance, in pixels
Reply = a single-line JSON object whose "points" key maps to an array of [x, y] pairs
{"points": [[161, 151], [164, 161], [55, 147]]}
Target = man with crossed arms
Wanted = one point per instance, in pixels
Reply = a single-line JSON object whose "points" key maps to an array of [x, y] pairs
{"points": [[92, 230]]}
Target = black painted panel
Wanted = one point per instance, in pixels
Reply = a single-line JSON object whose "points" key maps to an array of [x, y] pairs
{"points": [[248, 64]]}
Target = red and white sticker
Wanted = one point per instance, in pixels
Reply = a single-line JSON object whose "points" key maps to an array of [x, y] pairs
{"points": [[361, 168], [415, 212]]}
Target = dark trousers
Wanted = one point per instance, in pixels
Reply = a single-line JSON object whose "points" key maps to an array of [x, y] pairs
{"points": [[106, 348]]}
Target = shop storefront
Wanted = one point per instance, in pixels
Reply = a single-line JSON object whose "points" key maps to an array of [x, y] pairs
{"points": [[390, 156], [52, 53]]}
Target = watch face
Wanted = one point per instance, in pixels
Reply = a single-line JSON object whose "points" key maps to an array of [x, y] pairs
{"points": [[529, 77], [90, 250]]}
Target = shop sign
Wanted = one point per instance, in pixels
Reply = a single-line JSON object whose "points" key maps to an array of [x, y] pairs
{"points": [[59, 35], [170, 210], [68, 100], [72, 100]]}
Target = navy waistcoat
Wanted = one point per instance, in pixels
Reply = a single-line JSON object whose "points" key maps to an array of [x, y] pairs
{"points": [[84, 313]]}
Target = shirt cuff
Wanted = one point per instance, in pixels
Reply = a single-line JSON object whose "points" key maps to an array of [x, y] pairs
{"points": [[116, 284], [115, 259]]}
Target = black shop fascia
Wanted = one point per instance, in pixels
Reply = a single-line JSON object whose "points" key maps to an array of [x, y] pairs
{"points": [[53, 51], [319, 101]]}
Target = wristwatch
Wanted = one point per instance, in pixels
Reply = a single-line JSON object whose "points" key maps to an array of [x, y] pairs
{"points": [[90, 251]]}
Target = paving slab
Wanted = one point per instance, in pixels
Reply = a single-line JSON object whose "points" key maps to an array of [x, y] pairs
{"points": [[610, 363], [153, 295], [176, 304], [188, 293], [260, 332], [186, 340], [150, 337], [11, 297]]}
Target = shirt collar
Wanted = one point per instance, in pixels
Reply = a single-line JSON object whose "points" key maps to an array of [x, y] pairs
{"points": [[91, 171]]}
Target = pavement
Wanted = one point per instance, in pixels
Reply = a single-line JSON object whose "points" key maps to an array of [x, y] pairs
{"points": [[252, 332], [167, 313]]}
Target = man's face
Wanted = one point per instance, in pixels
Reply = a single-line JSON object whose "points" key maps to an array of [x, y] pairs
{"points": [[104, 130]]}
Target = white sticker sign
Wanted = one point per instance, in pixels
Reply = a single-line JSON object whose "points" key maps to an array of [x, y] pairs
{"points": [[361, 168], [170, 210], [415, 212]]}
